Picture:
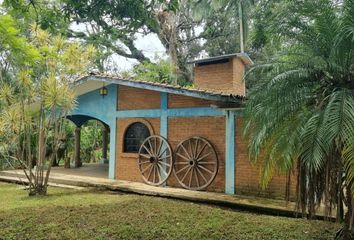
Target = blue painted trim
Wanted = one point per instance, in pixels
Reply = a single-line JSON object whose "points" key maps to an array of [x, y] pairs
{"points": [[148, 113], [164, 115], [230, 153], [175, 112], [194, 112]]}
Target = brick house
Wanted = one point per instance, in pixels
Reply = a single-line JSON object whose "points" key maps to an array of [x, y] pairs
{"points": [[184, 120]]}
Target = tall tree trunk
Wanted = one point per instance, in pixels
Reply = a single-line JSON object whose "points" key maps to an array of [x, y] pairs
{"points": [[240, 15]]}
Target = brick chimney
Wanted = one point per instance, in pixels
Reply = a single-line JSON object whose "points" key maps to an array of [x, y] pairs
{"points": [[223, 73]]}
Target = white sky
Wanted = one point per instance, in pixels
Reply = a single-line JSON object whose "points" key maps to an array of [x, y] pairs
{"points": [[151, 47]]}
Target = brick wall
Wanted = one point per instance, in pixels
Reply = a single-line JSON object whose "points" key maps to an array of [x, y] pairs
{"points": [[135, 98], [225, 77], [211, 128], [181, 128], [126, 163], [239, 86], [247, 176]]}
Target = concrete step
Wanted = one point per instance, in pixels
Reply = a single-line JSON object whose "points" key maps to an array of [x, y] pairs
{"points": [[21, 180], [20, 176]]}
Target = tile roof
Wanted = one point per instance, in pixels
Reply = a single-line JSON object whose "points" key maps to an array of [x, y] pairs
{"points": [[163, 87]]}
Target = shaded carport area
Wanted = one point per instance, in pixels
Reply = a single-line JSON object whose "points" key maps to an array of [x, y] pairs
{"points": [[92, 105], [80, 120]]}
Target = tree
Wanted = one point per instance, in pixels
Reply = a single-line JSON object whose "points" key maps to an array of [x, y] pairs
{"points": [[37, 97], [301, 112], [239, 8]]}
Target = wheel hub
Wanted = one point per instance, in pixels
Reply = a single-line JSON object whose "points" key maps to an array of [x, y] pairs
{"points": [[193, 162], [154, 160]]}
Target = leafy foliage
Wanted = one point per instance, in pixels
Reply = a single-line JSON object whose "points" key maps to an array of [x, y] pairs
{"points": [[301, 112], [36, 96], [156, 72]]}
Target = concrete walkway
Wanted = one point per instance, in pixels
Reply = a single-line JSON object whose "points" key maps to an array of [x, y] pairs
{"points": [[85, 177]]}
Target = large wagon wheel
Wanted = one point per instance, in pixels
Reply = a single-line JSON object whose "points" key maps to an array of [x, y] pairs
{"points": [[196, 163], [155, 160]]}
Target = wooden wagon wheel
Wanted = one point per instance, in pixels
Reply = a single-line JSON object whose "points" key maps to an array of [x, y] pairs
{"points": [[196, 163], [155, 160]]}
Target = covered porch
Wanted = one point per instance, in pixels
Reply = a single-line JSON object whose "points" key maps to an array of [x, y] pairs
{"points": [[91, 170]]}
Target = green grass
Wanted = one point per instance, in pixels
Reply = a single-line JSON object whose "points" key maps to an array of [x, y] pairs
{"points": [[73, 214]]}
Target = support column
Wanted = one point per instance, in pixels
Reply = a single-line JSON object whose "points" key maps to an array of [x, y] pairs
{"points": [[164, 121], [104, 143], [78, 162], [112, 149], [163, 118], [230, 153]]}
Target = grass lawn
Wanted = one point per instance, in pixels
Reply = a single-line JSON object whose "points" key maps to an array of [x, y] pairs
{"points": [[73, 214]]}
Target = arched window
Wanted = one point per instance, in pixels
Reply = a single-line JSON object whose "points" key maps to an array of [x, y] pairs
{"points": [[134, 136]]}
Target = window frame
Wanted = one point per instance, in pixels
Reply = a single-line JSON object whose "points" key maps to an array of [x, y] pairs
{"points": [[146, 125]]}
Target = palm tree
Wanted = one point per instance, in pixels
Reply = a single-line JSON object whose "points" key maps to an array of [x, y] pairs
{"points": [[300, 115]]}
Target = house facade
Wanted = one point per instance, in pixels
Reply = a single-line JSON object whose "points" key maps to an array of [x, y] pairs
{"points": [[172, 136]]}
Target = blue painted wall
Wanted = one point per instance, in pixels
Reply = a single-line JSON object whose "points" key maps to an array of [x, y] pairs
{"points": [[105, 109]]}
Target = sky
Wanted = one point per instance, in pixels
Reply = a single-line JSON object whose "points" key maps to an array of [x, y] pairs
{"points": [[149, 44]]}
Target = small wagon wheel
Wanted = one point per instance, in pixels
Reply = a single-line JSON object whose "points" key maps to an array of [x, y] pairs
{"points": [[196, 163], [155, 160]]}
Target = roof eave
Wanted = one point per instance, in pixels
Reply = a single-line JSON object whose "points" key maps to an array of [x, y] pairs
{"points": [[167, 89], [243, 56]]}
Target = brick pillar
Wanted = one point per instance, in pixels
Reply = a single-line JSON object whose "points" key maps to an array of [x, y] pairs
{"points": [[78, 162]]}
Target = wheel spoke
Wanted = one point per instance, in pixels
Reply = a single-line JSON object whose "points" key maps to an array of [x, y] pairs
{"points": [[206, 155], [182, 169], [185, 174], [147, 150], [190, 147], [154, 176], [196, 177], [166, 164], [205, 169], [152, 167], [144, 162], [201, 174], [162, 168], [178, 154], [146, 169], [201, 150], [159, 149], [212, 163], [181, 163], [163, 152], [145, 155], [164, 157], [190, 178], [151, 148], [158, 173], [185, 150], [155, 146], [196, 147]]}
